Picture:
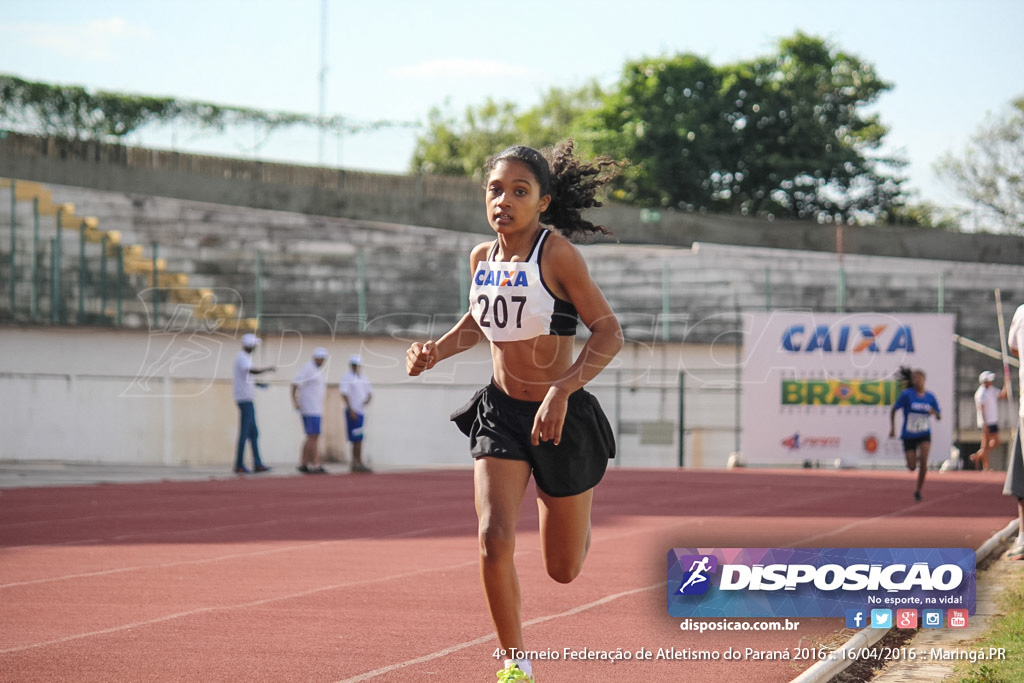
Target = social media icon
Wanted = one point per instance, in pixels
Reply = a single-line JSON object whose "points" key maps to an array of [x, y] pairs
{"points": [[906, 618], [856, 618], [931, 618], [957, 618], [881, 618]]}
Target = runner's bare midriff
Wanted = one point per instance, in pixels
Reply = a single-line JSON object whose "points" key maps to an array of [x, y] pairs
{"points": [[526, 369]]}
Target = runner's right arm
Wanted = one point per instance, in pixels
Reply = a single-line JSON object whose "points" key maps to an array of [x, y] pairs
{"points": [[424, 355], [464, 335]]}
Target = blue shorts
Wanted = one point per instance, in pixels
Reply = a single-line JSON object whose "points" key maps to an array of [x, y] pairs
{"points": [[355, 426], [311, 423], [991, 429]]}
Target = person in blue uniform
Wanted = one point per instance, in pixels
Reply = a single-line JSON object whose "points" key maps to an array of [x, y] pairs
{"points": [[918, 406], [529, 289]]}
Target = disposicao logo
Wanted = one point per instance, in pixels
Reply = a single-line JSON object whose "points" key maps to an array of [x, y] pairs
{"points": [[697, 580], [817, 582]]}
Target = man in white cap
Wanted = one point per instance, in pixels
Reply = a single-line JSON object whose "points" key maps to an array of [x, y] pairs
{"points": [[356, 392], [986, 400], [1014, 485], [308, 391], [245, 393]]}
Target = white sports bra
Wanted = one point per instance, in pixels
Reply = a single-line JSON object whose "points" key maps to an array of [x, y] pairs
{"points": [[511, 302]]}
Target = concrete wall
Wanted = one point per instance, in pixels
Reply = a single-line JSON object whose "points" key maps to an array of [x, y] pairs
{"points": [[131, 396], [409, 200], [161, 392], [316, 269], [124, 396]]}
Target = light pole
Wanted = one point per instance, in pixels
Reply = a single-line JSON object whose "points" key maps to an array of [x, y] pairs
{"points": [[323, 78]]}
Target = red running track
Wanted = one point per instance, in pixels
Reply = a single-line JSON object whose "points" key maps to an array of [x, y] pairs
{"points": [[356, 578]]}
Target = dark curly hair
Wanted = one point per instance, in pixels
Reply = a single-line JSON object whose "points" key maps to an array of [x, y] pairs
{"points": [[571, 183], [903, 376]]}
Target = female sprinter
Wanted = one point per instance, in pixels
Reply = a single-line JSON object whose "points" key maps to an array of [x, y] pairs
{"points": [[918, 405], [530, 287]]}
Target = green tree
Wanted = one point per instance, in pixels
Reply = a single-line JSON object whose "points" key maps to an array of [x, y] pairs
{"points": [[926, 215], [665, 119], [990, 173], [74, 112], [453, 146], [784, 135]]}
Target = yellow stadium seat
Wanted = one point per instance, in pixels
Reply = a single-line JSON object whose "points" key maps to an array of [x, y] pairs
{"points": [[175, 280], [217, 312], [188, 295], [138, 266], [239, 324]]}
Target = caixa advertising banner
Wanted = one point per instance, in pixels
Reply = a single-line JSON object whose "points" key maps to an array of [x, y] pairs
{"points": [[821, 582], [819, 387]]}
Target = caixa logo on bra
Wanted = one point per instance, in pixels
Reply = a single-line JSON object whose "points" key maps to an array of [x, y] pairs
{"points": [[817, 582], [501, 278]]}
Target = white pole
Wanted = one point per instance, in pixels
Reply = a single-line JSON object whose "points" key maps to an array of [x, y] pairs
{"points": [[1002, 348], [1018, 423], [323, 78]]}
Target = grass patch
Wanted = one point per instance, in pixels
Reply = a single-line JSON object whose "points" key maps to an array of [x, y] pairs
{"points": [[1007, 632]]}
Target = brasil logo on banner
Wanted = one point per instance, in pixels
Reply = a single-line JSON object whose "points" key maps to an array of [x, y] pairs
{"points": [[817, 582]]}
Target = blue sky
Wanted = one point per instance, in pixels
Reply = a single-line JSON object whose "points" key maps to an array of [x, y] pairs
{"points": [[952, 63]]}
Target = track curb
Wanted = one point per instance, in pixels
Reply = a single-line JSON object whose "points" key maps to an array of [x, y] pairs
{"points": [[825, 670]]}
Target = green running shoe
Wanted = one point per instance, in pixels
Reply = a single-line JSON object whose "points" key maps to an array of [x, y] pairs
{"points": [[513, 674]]}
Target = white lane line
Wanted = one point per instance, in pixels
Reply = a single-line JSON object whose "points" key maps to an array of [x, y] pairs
{"points": [[232, 556], [303, 519], [301, 594], [321, 589], [483, 639], [227, 608], [895, 513]]}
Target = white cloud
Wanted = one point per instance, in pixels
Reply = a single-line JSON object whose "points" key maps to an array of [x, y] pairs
{"points": [[461, 67], [93, 40]]}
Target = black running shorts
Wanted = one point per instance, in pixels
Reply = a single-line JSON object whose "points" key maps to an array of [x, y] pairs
{"points": [[499, 426], [910, 445]]}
